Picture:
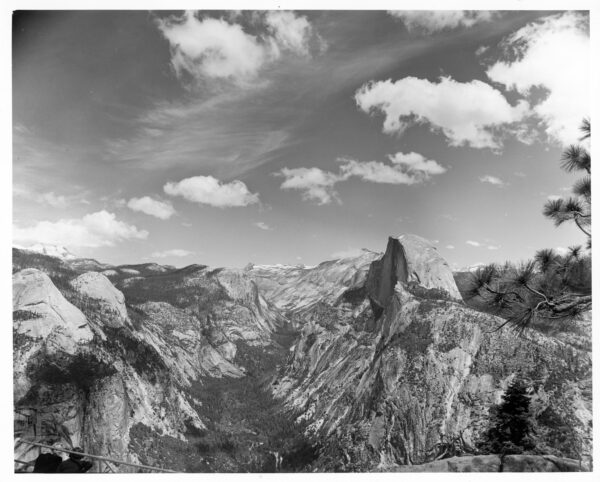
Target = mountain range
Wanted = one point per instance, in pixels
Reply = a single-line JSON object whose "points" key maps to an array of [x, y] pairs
{"points": [[372, 362]]}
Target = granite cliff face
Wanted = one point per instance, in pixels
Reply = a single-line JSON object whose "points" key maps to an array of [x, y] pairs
{"points": [[376, 358], [84, 373], [395, 377]]}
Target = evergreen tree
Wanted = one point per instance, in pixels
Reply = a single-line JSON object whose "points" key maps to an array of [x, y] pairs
{"points": [[511, 426], [578, 208], [549, 287]]}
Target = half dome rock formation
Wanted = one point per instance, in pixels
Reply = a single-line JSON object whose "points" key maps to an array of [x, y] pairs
{"points": [[98, 287], [376, 355], [410, 259], [50, 312], [402, 368]]}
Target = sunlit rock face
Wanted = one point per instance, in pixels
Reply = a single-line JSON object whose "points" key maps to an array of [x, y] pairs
{"points": [[388, 379], [297, 289], [389, 366], [98, 287], [85, 377], [33, 291], [409, 259]]}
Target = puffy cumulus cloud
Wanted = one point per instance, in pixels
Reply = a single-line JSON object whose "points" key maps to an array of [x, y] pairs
{"points": [[465, 112], [413, 161], [435, 20], [92, 231], [211, 191], [314, 183], [290, 31], [211, 47], [263, 226], [319, 185], [553, 54], [152, 207], [449, 246], [220, 49], [493, 180], [172, 253], [476, 244]]}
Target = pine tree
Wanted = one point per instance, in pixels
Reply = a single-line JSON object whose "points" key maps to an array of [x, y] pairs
{"points": [[549, 287], [511, 426], [578, 208]]}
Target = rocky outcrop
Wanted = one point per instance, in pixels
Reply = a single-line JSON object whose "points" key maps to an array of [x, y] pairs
{"points": [[426, 373], [97, 286], [183, 343], [497, 463], [298, 289], [86, 378], [52, 315], [409, 259]]}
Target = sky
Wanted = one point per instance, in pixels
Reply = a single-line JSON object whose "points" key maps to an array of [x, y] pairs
{"points": [[228, 137]]}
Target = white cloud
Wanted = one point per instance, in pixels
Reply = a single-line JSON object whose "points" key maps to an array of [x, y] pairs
{"points": [[493, 248], [212, 47], [554, 197], [289, 31], [51, 199], [175, 253], [553, 54], [449, 246], [152, 207], [495, 181], [474, 243], [377, 172], [263, 226], [221, 49], [92, 231], [413, 161], [482, 49], [314, 183], [209, 190], [319, 185], [465, 112], [519, 174], [435, 20]]}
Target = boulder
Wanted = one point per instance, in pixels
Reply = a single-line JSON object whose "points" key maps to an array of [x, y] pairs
{"points": [[476, 463]]}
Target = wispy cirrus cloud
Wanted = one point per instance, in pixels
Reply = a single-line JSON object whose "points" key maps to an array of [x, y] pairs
{"points": [[493, 180], [172, 253], [477, 244], [263, 226], [430, 21], [50, 198]]}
